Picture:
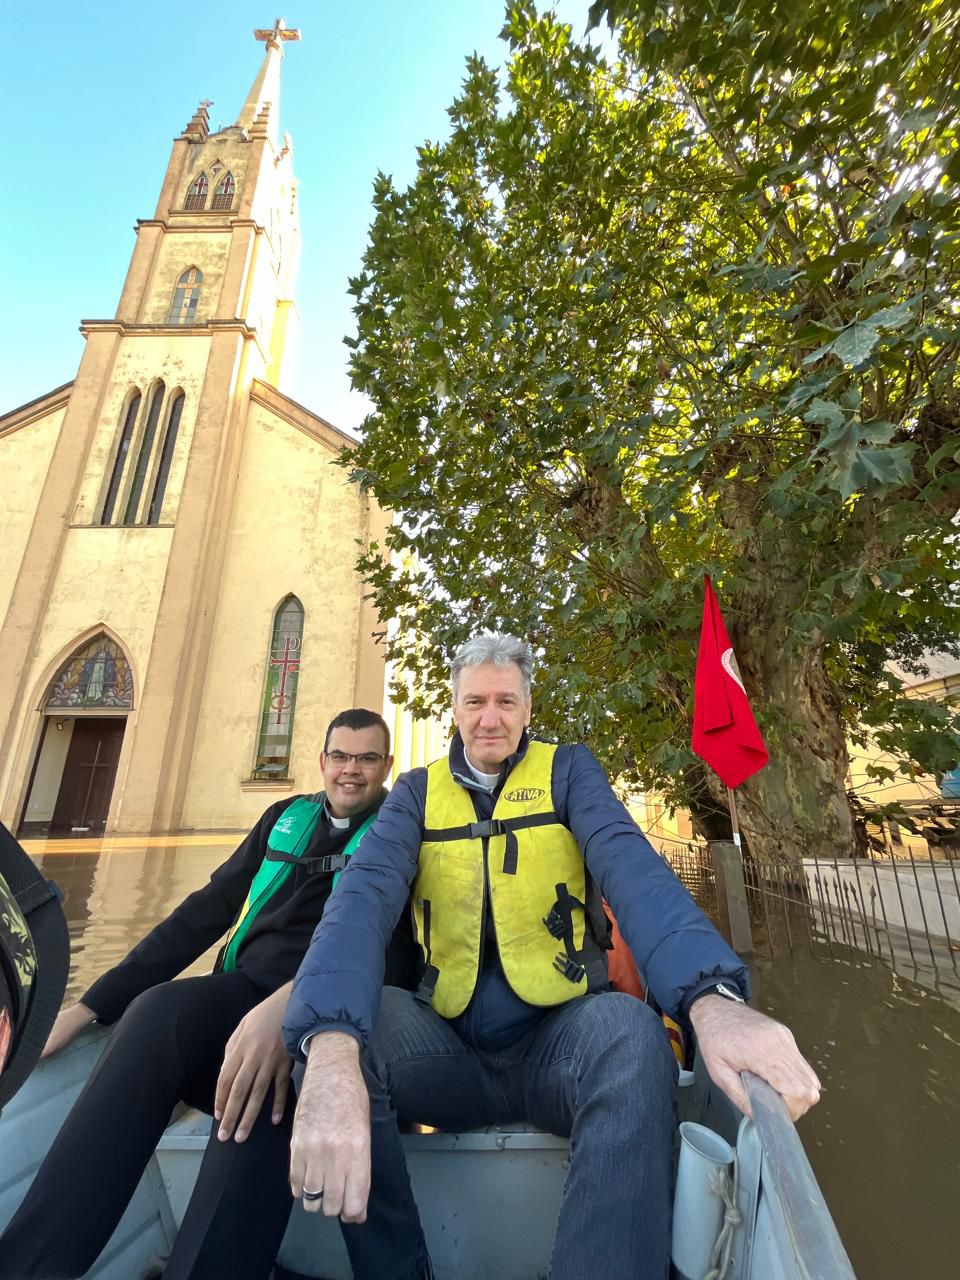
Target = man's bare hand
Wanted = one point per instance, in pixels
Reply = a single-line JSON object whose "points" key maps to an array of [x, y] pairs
{"points": [[330, 1149], [71, 1020], [733, 1038], [255, 1058]]}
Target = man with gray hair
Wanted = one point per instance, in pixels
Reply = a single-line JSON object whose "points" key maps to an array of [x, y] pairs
{"points": [[510, 845]]}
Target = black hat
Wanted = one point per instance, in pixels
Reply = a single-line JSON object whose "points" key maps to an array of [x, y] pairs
{"points": [[34, 960]]}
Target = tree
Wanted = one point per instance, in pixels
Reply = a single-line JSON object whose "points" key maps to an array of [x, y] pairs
{"points": [[688, 307]]}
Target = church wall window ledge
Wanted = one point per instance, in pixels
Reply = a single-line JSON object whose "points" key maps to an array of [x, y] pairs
{"points": [[268, 784]]}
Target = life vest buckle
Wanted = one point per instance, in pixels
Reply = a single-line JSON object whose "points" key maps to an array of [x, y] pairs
{"points": [[556, 924], [326, 862], [572, 971], [483, 830]]}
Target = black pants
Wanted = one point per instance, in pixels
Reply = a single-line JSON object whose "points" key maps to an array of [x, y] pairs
{"points": [[167, 1047]]}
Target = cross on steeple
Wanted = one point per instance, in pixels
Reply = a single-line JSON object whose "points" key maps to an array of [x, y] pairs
{"points": [[277, 33]]}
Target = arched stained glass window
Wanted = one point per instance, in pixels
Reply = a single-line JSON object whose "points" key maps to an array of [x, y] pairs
{"points": [[143, 457], [197, 193], [98, 675], [223, 195], [186, 296], [120, 461], [166, 458], [280, 692]]}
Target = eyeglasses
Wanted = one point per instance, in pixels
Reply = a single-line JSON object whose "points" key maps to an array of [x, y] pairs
{"points": [[365, 759]]}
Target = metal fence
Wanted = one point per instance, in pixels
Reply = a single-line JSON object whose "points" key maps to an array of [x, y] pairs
{"points": [[894, 905]]}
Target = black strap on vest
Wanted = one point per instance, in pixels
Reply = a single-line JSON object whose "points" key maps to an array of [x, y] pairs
{"points": [[428, 983], [492, 827], [495, 827], [313, 866], [573, 964]]}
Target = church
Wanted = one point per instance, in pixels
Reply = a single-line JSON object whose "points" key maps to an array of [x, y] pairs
{"points": [[180, 612]]}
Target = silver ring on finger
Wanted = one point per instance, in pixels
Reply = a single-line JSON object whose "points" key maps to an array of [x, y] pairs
{"points": [[312, 1195]]}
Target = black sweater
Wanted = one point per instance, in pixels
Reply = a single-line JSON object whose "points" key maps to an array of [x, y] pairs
{"points": [[277, 938]]}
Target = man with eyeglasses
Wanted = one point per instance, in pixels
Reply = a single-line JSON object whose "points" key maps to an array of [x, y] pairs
{"points": [[213, 1041]]}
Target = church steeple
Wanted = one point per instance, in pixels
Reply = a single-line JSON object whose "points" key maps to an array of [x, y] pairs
{"points": [[261, 111], [222, 248]]}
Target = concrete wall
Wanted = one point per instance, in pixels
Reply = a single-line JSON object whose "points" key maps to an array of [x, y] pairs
{"points": [[906, 893], [108, 577], [292, 531], [24, 458]]}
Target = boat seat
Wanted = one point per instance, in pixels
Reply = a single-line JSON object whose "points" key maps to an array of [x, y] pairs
{"points": [[509, 1174]]}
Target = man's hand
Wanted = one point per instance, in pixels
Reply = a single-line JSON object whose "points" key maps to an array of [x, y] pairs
{"points": [[71, 1020], [733, 1038], [330, 1149], [254, 1057]]}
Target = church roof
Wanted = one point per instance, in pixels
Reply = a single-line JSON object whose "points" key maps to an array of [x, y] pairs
{"points": [[300, 416], [24, 414]]}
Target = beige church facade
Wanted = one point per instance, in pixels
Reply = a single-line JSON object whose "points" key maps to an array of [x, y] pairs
{"points": [[180, 614]]}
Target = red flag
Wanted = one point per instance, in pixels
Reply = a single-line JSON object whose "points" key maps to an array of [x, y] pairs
{"points": [[725, 733]]}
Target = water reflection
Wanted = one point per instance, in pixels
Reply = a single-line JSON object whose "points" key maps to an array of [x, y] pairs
{"points": [[116, 889], [884, 1140], [879, 1020]]}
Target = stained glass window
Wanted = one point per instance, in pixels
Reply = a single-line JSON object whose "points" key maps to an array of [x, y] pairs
{"points": [[123, 448], [197, 194], [166, 459], [143, 457], [98, 675], [223, 195], [280, 692], [186, 296]]}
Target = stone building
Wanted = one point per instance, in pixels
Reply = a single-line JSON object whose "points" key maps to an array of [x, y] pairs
{"points": [[180, 615]]}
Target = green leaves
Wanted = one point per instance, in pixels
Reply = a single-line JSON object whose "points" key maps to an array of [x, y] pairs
{"points": [[851, 467], [688, 308]]}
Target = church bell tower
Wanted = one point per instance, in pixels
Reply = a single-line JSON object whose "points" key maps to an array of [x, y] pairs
{"points": [[221, 253], [133, 517]]}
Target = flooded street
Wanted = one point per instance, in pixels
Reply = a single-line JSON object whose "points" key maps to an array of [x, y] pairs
{"points": [[884, 1142]]}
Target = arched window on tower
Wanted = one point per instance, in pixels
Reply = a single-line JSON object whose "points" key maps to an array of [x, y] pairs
{"points": [[197, 193], [144, 455], [186, 296], [280, 692], [120, 461], [166, 458], [223, 196]]}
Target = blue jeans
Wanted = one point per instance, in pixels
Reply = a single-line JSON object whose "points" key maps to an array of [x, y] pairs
{"points": [[598, 1070]]}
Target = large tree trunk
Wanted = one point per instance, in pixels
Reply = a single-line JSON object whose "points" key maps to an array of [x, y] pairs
{"points": [[797, 805]]}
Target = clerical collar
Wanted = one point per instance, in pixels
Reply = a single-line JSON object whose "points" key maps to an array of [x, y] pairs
{"points": [[487, 780], [341, 824]]}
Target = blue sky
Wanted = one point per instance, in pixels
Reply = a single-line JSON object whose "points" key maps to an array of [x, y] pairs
{"points": [[95, 95]]}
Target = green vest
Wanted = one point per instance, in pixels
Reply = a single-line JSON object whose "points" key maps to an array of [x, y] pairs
{"points": [[289, 837]]}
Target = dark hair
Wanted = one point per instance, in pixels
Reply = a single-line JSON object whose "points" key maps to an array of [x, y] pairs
{"points": [[358, 718]]}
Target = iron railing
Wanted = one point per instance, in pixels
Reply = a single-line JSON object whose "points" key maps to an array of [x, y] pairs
{"points": [[895, 905]]}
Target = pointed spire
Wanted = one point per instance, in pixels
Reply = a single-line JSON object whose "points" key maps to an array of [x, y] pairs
{"points": [[261, 111], [199, 125]]}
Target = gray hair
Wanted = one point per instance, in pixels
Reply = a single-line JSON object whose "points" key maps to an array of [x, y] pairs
{"points": [[493, 647]]}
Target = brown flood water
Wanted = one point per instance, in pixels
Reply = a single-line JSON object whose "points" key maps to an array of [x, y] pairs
{"points": [[884, 1141]]}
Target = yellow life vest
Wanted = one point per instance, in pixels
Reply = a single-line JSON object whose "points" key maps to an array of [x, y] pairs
{"points": [[544, 905]]}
